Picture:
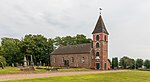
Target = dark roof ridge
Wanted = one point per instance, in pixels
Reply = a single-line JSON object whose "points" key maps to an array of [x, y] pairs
{"points": [[73, 49], [76, 45]]}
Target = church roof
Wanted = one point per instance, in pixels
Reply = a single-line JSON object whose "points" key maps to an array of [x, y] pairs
{"points": [[100, 26], [73, 49]]}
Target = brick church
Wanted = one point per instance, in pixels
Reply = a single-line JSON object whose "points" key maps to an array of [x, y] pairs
{"points": [[91, 55]]}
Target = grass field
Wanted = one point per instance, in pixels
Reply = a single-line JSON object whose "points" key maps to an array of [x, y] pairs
{"points": [[73, 69], [9, 70], [16, 70], [130, 76]]}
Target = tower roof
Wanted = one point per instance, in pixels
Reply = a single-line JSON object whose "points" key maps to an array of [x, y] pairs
{"points": [[100, 26]]}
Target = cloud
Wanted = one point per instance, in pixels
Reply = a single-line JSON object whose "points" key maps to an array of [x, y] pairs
{"points": [[126, 20]]}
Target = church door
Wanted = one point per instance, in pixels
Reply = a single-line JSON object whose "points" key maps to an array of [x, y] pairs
{"points": [[66, 64], [97, 65], [105, 65]]}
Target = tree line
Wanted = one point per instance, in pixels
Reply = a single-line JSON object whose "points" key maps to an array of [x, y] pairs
{"points": [[129, 63], [13, 50]]}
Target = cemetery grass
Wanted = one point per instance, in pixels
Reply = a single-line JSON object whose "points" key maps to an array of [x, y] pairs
{"points": [[129, 76], [16, 70]]}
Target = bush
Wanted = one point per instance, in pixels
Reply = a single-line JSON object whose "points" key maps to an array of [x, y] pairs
{"points": [[127, 63], [147, 64], [144, 69], [115, 63], [2, 61]]}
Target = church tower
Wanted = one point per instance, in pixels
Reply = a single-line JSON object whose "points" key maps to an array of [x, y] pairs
{"points": [[100, 46]]}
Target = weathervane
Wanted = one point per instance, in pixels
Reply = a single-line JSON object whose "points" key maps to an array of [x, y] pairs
{"points": [[100, 10]]}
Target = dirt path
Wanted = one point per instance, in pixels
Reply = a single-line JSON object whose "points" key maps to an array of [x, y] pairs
{"points": [[5, 77]]}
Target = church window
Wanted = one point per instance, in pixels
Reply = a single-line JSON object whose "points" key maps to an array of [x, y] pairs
{"points": [[105, 37], [97, 37], [83, 60], [72, 59], [97, 45], [92, 57], [54, 60], [63, 59], [97, 53]]}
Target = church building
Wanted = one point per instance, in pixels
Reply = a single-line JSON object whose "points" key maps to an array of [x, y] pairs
{"points": [[91, 55]]}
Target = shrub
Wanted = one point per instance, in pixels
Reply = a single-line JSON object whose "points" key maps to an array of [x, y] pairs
{"points": [[2, 62], [147, 64]]}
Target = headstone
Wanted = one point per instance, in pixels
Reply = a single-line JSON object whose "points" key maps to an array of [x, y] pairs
{"points": [[16, 64], [43, 64], [12, 65], [25, 61], [31, 62], [40, 63]]}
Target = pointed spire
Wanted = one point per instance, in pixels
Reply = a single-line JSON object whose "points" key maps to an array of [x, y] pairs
{"points": [[100, 26]]}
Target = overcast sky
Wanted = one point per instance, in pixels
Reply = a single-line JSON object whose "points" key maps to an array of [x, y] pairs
{"points": [[128, 21]]}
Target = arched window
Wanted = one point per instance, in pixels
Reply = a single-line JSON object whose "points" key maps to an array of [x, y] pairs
{"points": [[97, 53], [83, 60], [105, 37], [97, 37], [63, 59], [97, 45], [105, 65], [54, 60], [72, 59]]}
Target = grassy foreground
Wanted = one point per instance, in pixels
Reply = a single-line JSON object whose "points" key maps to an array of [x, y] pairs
{"points": [[130, 76], [9, 70], [16, 70]]}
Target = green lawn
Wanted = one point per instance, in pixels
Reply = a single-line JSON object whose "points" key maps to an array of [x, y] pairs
{"points": [[16, 70], [9, 70], [73, 69], [130, 76]]}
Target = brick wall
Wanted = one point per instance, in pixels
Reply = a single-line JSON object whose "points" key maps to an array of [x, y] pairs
{"points": [[77, 60], [103, 49]]}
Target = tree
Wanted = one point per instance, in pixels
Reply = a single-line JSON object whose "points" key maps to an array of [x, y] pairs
{"points": [[126, 62], [147, 63], [58, 41], [139, 63], [2, 51], [114, 63], [11, 50], [2, 62], [80, 39], [68, 40], [49, 49], [43, 47], [38, 46], [132, 64]]}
